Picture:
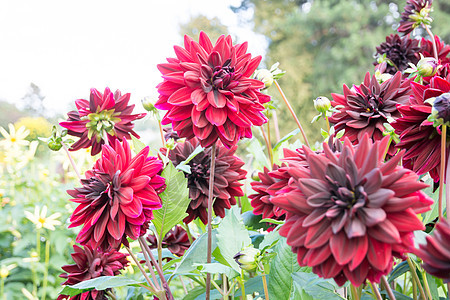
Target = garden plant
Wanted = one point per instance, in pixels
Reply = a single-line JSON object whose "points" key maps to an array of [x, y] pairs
{"points": [[363, 214]]}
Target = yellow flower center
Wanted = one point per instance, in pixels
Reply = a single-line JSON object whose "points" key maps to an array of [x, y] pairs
{"points": [[41, 220], [13, 139]]}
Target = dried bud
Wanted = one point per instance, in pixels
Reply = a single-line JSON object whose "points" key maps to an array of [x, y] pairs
{"points": [[247, 259], [265, 76], [322, 104], [427, 66]]}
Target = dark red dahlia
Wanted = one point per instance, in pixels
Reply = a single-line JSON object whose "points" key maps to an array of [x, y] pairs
{"points": [[228, 173], [436, 252], [208, 92], [399, 51], [105, 113], [176, 240], [426, 48], [270, 182], [368, 106], [349, 213], [415, 12], [418, 136], [91, 263], [117, 197]]}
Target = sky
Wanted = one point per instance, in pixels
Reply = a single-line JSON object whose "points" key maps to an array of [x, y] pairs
{"points": [[68, 47]]}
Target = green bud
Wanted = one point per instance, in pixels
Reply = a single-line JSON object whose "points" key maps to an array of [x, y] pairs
{"points": [[427, 66], [322, 104], [265, 76], [149, 105], [247, 259], [171, 144], [255, 176]]}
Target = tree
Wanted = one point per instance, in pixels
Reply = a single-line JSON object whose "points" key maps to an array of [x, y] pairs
{"points": [[213, 27]]}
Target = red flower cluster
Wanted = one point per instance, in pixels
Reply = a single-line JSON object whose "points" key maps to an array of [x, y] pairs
{"points": [[91, 263], [176, 240], [418, 136], [349, 213], [208, 91], [105, 113], [227, 176], [117, 197]]}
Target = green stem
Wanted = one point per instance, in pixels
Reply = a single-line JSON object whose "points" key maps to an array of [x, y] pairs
{"points": [[161, 131], [277, 128], [217, 287], [186, 227], [387, 147], [416, 278], [266, 291], [433, 41], [46, 264], [210, 207], [414, 287], [442, 168], [2, 288], [136, 261], [425, 283], [375, 291], [268, 146], [388, 288], [292, 113], [224, 284], [74, 166], [157, 286], [242, 284], [111, 294], [354, 292]]}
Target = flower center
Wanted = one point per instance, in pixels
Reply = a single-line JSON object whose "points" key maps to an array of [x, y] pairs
{"points": [[41, 220], [218, 77], [101, 123], [13, 139]]}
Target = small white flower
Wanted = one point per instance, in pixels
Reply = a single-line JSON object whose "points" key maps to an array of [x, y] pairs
{"points": [[40, 219]]}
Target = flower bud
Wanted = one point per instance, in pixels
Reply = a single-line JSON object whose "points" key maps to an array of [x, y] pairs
{"points": [[427, 66], [322, 104], [171, 144], [149, 105], [247, 258], [54, 144], [441, 108], [265, 76]]}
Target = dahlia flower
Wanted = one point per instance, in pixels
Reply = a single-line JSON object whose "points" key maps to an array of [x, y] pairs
{"points": [[228, 173], [436, 252], [117, 197], [176, 240], [400, 51], [105, 113], [266, 188], [91, 263], [349, 213], [368, 106], [208, 92], [426, 48], [415, 13], [418, 136]]}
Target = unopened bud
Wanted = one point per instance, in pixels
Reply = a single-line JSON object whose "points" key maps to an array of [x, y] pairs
{"points": [[265, 76], [149, 105], [247, 259], [440, 113], [322, 104], [171, 144], [427, 66], [54, 144]]}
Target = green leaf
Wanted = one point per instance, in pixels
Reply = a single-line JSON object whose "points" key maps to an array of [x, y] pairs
{"points": [[245, 204], [286, 138], [314, 286], [270, 239], [273, 221], [433, 286], [253, 221], [137, 144], [99, 283], [175, 200], [232, 236], [253, 285], [398, 296], [257, 150], [183, 166], [282, 266], [196, 254], [399, 270], [216, 268]]}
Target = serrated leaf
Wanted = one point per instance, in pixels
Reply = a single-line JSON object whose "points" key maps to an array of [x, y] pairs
{"points": [[196, 254], [253, 285], [175, 200], [137, 144], [184, 164], [282, 266], [314, 286], [232, 236], [69, 291], [286, 138], [269, 239]]}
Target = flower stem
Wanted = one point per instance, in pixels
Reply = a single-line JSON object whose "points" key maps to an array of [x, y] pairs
{"points": [[46, 264], [266, 291], [354, 292], [416, 278], [149, 265], [74, 166], [275, 122], [268, 146], [414, 287], [242, 284], [188, 231], [158, 269], [210, 206], [387, 147], [442, 167], [224, 284], [152, 286], [217, 286], [111, 294], [447, 193], [328, 124], [376, 291], [433, 41], [2, 288], [161, 133], [292, 112], [425, 283], [388, 288]]}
